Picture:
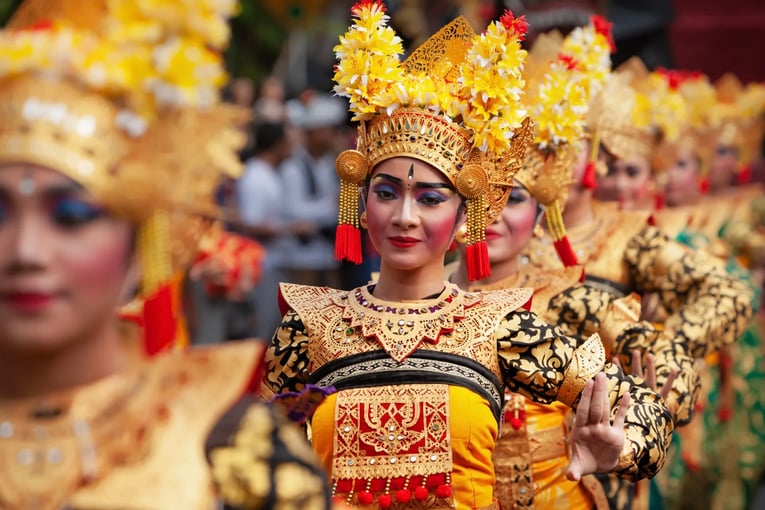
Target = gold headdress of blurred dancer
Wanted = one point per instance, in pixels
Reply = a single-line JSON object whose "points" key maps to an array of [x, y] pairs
{"points": [[453, 103], [558, 93], [681, 109], [619, 116], [737, 115], [123, 97]]}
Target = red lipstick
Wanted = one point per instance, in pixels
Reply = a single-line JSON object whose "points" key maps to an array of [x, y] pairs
{"points": [[403, 241], [26, 302]]}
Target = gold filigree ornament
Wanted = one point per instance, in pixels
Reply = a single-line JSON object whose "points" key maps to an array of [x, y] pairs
{"points": [[124, 99], [443, 105]]}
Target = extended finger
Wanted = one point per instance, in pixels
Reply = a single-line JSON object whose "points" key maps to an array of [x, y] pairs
{"points": [[583, 411], [621, 413], [650, 369], [637, 363], [667, 387], [599, 408]]}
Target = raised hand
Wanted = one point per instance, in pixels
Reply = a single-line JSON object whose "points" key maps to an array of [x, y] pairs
{"points": [[650, 372], [596, 442]]}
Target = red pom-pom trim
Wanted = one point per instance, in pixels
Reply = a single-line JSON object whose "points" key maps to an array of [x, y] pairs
{"points": [[403, 496], [385, 501], [444, 491], [365, 498], [420, 493]]}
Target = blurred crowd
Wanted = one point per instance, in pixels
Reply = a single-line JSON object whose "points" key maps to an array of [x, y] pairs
{"points": [[286, 200]]}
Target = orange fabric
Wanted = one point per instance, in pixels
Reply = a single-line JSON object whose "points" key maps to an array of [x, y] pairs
{"points": [[553, 489], [473, 432]]}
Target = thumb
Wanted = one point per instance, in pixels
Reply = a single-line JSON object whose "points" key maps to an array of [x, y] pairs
{"points": [[574, 471]]}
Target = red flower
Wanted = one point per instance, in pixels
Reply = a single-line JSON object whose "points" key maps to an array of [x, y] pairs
{"points": [[603, 27], [519, 26], [356, 9], [674, 78], [43, 25], [570, 62]]}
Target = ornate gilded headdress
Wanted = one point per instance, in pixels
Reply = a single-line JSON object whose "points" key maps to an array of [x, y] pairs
{"points": [[115, 95], [681, 109], [619, 118], [738, 116], [558, 94], [454, 103]]}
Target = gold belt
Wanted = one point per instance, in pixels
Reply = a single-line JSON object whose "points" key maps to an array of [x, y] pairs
{"points": [[515, 452], [549, 443]]}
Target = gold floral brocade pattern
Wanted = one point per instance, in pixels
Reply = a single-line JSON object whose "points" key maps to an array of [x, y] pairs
{"points": [[708, 308], [392, 433]]}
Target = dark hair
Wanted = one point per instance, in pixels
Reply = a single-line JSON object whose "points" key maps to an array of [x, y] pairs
{"points": [[267, 135]]}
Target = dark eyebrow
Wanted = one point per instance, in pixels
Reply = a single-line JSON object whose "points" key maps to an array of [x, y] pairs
{"points": [[418, 184], [70, 188]]}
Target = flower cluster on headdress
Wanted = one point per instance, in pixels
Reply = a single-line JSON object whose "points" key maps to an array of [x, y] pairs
{"points": [[148, 53], [699, 95], [558, 104], [668, 112], [560, 100], [483, 97], [591, 47]]}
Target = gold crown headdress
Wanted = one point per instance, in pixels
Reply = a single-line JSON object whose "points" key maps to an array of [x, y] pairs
{"points": [[686, 127], [454, 103], [113, 94], [737, 114], [618, 117], [558, 98]]}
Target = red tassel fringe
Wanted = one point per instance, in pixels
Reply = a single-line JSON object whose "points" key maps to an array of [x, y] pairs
{"points": [[477, 258], [159, 321], [348, 243], [658, 201], [589, 179], [565, 252], [744, 176]]}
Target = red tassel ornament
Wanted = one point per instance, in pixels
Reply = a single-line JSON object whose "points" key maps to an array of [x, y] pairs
{"points": [[477, 260], [589, 179], [348, 243]]}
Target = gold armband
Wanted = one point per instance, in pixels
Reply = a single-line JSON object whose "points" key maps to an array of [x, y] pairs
{"points": [[588, 360]]}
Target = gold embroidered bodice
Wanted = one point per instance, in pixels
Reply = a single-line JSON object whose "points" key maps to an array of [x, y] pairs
{"points": [[134, 440], [326, 334]]}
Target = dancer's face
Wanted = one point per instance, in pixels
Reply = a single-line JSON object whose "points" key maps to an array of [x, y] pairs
{"points": [[511, 232], [64, 261], [412, 213]]}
